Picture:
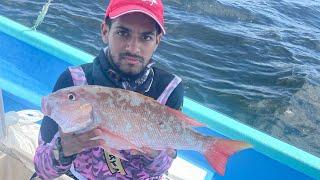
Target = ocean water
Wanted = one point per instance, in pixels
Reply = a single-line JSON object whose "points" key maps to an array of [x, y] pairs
{"points": [[256, 61]]}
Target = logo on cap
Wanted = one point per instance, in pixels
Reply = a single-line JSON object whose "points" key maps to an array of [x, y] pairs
{"points": [[152, 2]]}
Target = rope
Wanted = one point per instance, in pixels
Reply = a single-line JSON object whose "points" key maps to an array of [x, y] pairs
{"points": [[41, 15]]}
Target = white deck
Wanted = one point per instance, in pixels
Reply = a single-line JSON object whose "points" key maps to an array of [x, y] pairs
{"points": [[184, 170]]}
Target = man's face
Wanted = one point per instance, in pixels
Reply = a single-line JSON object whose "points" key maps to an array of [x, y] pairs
{"points": [[132, 39]]}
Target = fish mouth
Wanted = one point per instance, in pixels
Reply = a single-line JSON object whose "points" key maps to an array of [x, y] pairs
{"points": [[44, 106]]}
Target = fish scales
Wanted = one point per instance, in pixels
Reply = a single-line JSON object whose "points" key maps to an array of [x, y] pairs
{"points": [[157, 123]]}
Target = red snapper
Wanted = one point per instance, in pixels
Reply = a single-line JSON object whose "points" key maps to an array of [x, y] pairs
{"points": [[134, 121]]}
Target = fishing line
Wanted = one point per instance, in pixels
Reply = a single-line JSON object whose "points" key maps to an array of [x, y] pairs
{"points": [[41, 15]]}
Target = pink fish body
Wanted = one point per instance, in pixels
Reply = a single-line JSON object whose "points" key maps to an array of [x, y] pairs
{"points": [[134, 121]]}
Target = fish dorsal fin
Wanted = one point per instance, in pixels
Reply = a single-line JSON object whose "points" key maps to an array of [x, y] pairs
{"points": [[185, 118]]}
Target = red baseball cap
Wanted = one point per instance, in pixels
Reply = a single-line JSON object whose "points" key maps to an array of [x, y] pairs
{"points": [[152, 8]]}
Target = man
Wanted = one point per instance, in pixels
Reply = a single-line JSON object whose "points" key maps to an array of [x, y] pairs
{"points": [[132, 30]]}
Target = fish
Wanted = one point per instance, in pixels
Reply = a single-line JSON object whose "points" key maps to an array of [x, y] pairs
{"points": [[133, 121]]}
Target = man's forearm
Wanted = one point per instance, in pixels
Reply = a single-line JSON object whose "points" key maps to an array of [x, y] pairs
{"points": [[46, 160]]}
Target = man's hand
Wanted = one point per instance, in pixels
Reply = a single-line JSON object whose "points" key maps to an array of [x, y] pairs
{"points": [[75, 143]]}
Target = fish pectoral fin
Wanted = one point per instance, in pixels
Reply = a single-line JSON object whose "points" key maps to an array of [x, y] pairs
{"points": [[116, 141], [186, 119]]}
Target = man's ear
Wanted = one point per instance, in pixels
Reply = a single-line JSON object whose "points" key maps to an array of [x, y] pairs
{"points": [[158, 39], [104, 32]]}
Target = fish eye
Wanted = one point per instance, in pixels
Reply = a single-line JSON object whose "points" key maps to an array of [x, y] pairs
{"points": [[72, 96]]}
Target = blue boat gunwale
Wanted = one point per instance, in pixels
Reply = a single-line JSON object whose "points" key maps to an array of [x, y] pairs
{"points": [[267, 145]]}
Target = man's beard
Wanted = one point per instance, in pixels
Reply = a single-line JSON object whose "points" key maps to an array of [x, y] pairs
{"points": [[119, 66]]}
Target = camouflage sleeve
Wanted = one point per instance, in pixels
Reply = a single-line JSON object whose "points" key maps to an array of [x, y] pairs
{"points": [[46, 161], [161, 163], [146, 167]]}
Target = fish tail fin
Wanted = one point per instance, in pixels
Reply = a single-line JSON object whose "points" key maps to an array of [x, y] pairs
{"points": [[219, 151]]}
